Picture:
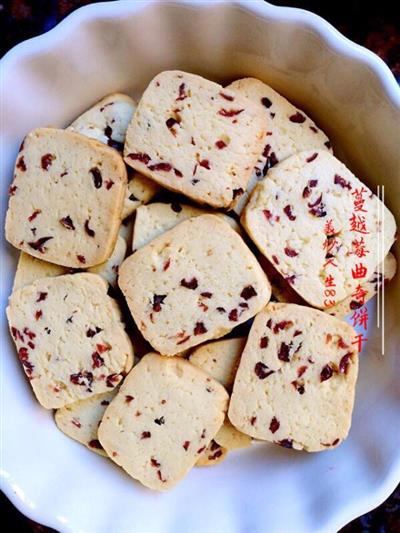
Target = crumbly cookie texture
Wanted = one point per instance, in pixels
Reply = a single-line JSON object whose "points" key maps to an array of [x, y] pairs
{"points": [[212, 455], [69, 338], [80, 420], [312, 218], [193, 136], [296, 380], [66, 198], [383, 274], [220, 359], [29, 269], [109, 269], [107, 122], [155, 219], [163, 417], [194, 283], [288, 130]]}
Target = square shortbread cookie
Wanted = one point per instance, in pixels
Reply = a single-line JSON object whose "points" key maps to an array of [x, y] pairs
{"points": [[66, 198], [162, 419], [192, 136], [69, 338], [193, 283]]}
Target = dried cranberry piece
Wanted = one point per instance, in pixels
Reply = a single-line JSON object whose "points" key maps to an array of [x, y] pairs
{"points": [[167, 264], [38, 314], [105, 402], [282, 325], [206, 294], [47, 161], [227, 97], [264, 342], [253, 420], [76, 423], [34, 214], [89, 230], [182, 92], [274, 425], [267, 213], [159, 421], [158, 300], [230, 112], [12, 190], [286, 443], [170, 123], [178, 173], [297, 118], [328, 144], [216, 454], [306, 192], [262, 371], [97, 177], [41, 296], [326, 373], [301, 370], [23, 353], [82, 378], [112, 380], [186, 445], [317, 207], [200, 450], [345, 363], [220, 144], [162, 167], [154, 462], [248, 292], [183, 340], [237, 192], [288, 212], [95, 444], [338, 180], [205, 163], [21, 164], [38, 245], [266, 102], [145, 435], [30, 334], [92, 332], [191, 284], [67, 222], [284, 352], [275, 259], [199, 329], [314, 129], [355, 305], [129, 398], [143, 158], [176, 207], [98, 361], [290, 252], [299, 387], [81, 258], [159, 474], [312, 157], [221, 310], [271, 161], [233, 315]]}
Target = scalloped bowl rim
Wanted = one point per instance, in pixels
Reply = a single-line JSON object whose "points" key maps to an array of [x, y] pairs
{"points": [[336, 41]]}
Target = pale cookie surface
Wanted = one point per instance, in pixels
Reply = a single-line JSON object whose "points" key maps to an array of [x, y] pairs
{"points": [[109, 269], [288, 130], [231, 438], [367, 290], [318, 225], [220, 359], [193, 283], [69, 338], [155, 219], [80, 420], [192, 136], [212, 455], [162, 419], [66, 198], [29, 269], [107, 122], [296, 380]]}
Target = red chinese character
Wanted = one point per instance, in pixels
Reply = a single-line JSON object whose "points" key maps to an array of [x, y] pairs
{"points": [[360, 318], [328, 228], [359, 248], [359, 271], [358, 224], [359, 200], [359, 339], [329, 246], [359, 294], [330, 261], [329, 303], [330, 281]]}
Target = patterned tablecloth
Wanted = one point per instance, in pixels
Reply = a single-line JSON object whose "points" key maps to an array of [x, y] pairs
{"points": [[375, 26]]}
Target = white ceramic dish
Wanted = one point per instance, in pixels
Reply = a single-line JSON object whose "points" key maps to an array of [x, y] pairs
{"points": [[351, 93]]}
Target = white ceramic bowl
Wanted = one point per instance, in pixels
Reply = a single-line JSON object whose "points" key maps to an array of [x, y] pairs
{"points": [[349, 91]]}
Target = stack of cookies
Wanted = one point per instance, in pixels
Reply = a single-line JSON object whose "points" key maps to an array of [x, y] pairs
{"points": [[141, 309]]}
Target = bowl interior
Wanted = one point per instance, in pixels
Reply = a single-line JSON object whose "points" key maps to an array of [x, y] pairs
{"points": [[120, 47]]}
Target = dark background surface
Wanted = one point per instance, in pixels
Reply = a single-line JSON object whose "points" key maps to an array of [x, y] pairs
{"points": [[375, 25]]}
